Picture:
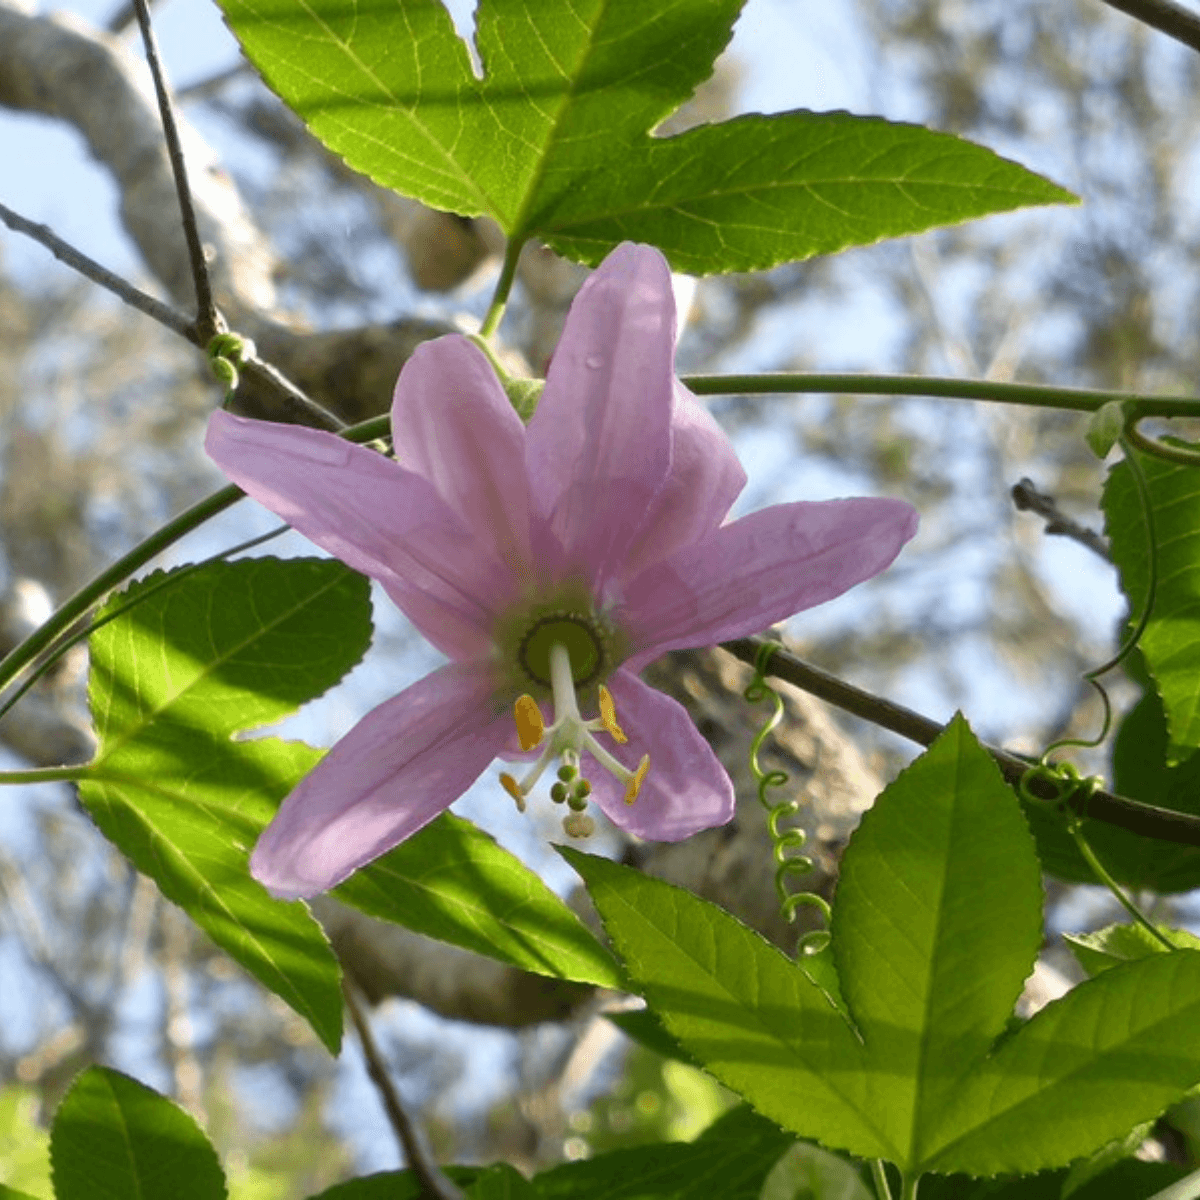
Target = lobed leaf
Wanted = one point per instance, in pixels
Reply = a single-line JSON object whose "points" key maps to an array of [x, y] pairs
{"points": [[194, 661], [555, 139], [115, 1139], [935, 925]]}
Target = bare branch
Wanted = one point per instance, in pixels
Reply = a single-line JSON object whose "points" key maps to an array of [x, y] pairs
{"points": [[208, 320], [1165, 16], [434, 1183], [90, 269], [1027, 498]]}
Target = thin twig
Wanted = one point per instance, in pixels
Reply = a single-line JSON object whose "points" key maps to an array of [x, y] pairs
{"points": [[436, 1185], [164, 314], [1145, 819], [292, 401], [208, 320], [1027, 498], [1165, 16]]}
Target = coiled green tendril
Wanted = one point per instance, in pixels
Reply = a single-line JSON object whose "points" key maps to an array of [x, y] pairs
{"points": [[1063, 778], [786, 842]]}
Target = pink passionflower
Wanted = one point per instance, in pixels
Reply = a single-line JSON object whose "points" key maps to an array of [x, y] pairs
{"points": [[550, 563]]}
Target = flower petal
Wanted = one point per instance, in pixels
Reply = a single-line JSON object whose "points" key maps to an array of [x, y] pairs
{"points": [[704, 481], [685, 790], [453, 425], [377, 518], [753, 572], [400, 766], [598, 447]]}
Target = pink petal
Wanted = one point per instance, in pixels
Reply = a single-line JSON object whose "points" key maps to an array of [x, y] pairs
{"points": [[454, 426], [377, 518], [598, 446], [685, 790], [759, 570], [704, 481], [400, 766]]}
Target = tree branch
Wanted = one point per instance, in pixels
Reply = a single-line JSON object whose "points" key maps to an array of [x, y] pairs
{"points": [[1165, 16], [1027, 498], [434, 1183], [1145, 819], [209, 321]]}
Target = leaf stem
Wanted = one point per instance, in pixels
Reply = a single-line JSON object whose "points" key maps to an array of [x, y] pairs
{"points": [[508, 272], [1029, 395], [47, 774], [1101, 873], [883, 1189]]}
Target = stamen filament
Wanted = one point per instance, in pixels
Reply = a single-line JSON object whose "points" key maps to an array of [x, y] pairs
{"points": [[567, 738]]}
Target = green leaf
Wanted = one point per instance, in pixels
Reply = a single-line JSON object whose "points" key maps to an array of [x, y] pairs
{"points": [[936, 926], [756, 191], [643, 1027], [452, 882], [24, 1145], [115, 1139], [555, 139], [502, 1182], [11, 1193], [225, 649], [1171, 642], [1117, 944], [731, 1159], [934, 930], [1115, 1051], [392, 1185], [741, 1007]]}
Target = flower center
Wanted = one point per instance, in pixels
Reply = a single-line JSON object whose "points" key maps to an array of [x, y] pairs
{"points": [[570, 734], [576, 635]]}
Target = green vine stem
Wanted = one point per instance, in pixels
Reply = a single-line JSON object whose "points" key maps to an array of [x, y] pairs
{"points": [[1102, 874], [784, 841], [1029, 395], [63, 644], [93, 592]]}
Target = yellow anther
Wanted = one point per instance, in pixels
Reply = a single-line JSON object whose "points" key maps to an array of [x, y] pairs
{"points": [[635, 783], [608, 714], [513, 788], [530, 726]]}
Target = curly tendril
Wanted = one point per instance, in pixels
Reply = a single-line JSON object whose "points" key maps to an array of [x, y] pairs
{"points": [[786, 842], [1071, 790]]}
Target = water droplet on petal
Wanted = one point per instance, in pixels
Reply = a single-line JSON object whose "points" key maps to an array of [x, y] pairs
{"points": [[594, 361]]}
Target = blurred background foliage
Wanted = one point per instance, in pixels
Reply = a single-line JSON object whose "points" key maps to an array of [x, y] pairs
{"points": [[101, 418]]}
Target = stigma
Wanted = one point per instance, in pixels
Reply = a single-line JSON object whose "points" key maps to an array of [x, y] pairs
{"points": [[565, 741]]}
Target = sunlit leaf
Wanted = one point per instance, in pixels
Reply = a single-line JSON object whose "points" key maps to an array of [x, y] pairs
{"points": [[212, 653], [115, 1139], [453, 882], [555, 139], [935, 927]]}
